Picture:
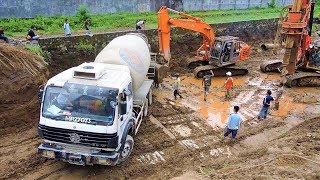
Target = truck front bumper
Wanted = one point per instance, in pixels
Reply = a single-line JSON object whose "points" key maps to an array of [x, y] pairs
{"points": [[53, 152]]}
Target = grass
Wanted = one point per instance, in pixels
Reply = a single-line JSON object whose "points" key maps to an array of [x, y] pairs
{"points": [[41, 53], [86, 47], [109, 22]]}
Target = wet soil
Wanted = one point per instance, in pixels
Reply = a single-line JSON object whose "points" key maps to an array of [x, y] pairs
{"points": [[285, 145], [21, 74]]}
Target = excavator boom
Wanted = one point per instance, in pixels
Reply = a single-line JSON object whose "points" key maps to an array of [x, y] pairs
{"points": [[191, 23]]}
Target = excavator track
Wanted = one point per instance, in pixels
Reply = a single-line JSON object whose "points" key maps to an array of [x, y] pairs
{"points": [[200, 71], [193, 63], [271, 66], [304, 79]]}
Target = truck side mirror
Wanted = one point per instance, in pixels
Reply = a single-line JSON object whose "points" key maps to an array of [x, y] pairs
{"points": [[127, 92], [40, 92]]}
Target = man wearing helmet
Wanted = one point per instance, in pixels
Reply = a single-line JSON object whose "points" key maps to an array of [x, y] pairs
{"points": [[228, 84]]}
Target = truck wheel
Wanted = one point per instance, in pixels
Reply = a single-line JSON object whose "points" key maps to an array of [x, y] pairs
{"points": [[145, 110], [128, 146]]}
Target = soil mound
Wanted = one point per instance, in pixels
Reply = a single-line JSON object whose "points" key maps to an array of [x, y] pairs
{"points": [[21, 73]]}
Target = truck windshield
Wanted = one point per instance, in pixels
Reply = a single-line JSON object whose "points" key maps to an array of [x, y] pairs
{"points": [[80, 103]]}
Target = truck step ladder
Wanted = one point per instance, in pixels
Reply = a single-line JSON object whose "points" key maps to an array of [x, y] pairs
{"points": [[152, 68]]}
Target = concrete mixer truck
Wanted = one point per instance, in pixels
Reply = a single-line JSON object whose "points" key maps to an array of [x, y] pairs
{"points": [[90, 113]]}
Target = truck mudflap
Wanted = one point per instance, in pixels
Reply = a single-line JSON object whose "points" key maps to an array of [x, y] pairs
{"points": [[52, 152]]}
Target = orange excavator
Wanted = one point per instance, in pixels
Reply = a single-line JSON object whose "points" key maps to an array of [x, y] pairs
{"points": [[215, 54], [300, 65]]}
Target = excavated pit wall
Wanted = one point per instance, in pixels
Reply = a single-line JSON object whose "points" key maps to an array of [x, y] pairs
{"points": [[71, 51]]}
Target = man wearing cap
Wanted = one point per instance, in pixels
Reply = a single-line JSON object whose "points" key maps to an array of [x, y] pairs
{"points": [[206, 82], [228, 84]]}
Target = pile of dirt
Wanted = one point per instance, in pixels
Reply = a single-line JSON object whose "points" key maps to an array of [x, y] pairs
{"points": [[21, 73]]}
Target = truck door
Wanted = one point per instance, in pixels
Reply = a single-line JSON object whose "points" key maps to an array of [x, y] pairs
{"points": [[226, 52], [122, 105]]}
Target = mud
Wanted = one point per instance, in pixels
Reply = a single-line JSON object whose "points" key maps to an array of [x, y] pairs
{"points": [[21, 75], [285, 145]]}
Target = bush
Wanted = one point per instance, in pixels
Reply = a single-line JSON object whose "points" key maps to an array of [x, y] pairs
{"points": [[82, 14], [272, 4], [88, 48]]}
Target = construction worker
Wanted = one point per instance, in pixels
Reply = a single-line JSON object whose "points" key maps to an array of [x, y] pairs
{"points": [[176, 86], [140, 24], [278, 95], [206, 82], [233, 124], [228, 84], [265, 105]]}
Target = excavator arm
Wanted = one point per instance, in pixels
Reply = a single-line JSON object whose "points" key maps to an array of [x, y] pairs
{"points": [[296, 28], [191, 23]]}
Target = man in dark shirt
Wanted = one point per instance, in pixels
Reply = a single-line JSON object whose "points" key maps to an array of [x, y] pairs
{"points": [[266, 105], [31, 34], [2, 37], [206, 82], [86, 26]]}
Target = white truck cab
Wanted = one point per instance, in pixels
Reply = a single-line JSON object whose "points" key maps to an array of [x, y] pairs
{"points": [[89, 114]]}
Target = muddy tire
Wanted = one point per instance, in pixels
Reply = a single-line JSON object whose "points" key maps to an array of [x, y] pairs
{"points": [[127, 149]]}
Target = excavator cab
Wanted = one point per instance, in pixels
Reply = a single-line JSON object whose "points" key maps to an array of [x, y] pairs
{"points": [[213, 54], [226, 50], [314, 55]]}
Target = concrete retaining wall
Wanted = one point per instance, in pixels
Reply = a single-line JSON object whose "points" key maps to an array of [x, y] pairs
{"points": [[31, 8], [72, 51]]}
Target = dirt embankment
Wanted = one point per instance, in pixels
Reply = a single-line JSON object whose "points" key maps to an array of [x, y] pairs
{"points": [[21, 73]]}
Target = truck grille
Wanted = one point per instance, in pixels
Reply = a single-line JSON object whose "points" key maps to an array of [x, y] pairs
{"points": [[78, 137]]}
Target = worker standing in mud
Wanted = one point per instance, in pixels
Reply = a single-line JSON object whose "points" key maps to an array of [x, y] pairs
{"points": [[206, 82], [233, 124], [266, 105], [176, 86], [228, 85], [278, 95]]}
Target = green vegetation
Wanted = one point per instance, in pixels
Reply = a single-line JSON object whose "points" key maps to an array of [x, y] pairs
{"points": [[86, 47], [46, 57], [272, 4], [110, 22]]}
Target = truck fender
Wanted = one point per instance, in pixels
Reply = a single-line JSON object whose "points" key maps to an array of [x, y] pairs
{"points": [[125, 132]]}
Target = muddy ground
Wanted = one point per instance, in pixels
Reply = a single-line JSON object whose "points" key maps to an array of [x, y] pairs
{"points": [[189, 144]]}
